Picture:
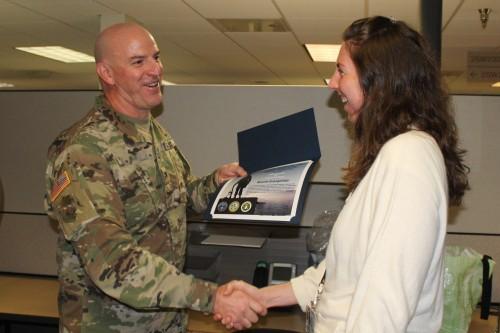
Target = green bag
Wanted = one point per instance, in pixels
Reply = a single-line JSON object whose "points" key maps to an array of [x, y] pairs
{"points": [[463, 281]]}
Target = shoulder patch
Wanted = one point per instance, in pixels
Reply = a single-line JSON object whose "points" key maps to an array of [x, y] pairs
{"points": [[60, 184]]}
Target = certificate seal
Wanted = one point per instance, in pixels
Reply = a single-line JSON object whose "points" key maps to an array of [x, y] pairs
{"points": [[234, 206], [246, 206], [222, 206]]}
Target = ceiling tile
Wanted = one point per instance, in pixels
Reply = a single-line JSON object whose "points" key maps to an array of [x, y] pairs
{"points": [[407, 11], [325, 69], [54, 33], [321, 9], [64, 9], [471, 26], [151, 11], [198, 68], [450, 7], [243, 9], [469, 9], [319, 31], [10, 38], [205, 44], [12, 13], [82, 15], [181, 25], [279, 51]]}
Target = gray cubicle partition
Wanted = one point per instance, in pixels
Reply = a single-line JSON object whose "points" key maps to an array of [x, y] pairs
{"points": [[204, 121]]}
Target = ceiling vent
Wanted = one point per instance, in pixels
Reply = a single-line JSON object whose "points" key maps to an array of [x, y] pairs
{"points": [[250, 25]]}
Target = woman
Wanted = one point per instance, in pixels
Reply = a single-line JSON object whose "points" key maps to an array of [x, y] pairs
{"points": [[384, 262]]}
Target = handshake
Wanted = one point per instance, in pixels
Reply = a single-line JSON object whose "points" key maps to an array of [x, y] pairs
{"points": [[238, 304]]}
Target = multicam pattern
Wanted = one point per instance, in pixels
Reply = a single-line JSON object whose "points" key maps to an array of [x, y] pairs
{"points": [[122, 225]]}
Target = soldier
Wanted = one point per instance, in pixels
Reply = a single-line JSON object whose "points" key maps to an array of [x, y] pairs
{"points": [[119, 187]]}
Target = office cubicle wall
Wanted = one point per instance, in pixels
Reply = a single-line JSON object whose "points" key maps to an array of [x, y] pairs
{"points": [[204, 121]]}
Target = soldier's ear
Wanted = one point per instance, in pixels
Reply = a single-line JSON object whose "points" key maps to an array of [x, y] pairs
{"points": [[105, 72]]}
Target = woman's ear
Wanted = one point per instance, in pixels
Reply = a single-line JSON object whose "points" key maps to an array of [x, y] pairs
{"points": [[105, 73]]}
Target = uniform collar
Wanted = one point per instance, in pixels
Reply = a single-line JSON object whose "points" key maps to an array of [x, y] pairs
{"points": [[128, 126]]}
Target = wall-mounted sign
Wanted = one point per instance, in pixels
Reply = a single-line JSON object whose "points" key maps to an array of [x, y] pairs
{"points": [[483, 65]]}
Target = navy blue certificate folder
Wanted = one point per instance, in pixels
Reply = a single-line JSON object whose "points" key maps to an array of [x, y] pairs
{"points": [[279, 157], [286, 140]]}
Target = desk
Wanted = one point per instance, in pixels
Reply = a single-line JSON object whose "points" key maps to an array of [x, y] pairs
{"points": [[293, 320], [28, 297], [34, 300]]}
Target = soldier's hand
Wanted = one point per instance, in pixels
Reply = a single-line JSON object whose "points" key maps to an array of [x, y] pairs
{"points": [[228, 171], [236, 309]]}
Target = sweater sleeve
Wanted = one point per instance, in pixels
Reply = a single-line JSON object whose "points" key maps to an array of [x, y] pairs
{"points": [[304, 286], [403, 266]]}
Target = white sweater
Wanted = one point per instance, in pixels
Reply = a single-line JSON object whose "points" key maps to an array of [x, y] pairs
{"points": [[384, 262]]}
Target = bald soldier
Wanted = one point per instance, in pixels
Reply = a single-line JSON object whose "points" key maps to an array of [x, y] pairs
{"points": [[119, 187]]}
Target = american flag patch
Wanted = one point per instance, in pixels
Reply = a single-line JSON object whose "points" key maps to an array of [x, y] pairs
{"points": [[61, 183]]}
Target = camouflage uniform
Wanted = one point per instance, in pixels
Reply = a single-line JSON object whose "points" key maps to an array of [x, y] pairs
{"points": [[119, 190]]}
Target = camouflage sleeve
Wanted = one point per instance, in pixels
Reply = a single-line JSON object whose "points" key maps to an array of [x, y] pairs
{"points": [[198, 188], [90, 214]]}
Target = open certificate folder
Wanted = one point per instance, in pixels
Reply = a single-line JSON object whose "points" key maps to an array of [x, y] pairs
{"points": [[278, 157], [271, 194]]}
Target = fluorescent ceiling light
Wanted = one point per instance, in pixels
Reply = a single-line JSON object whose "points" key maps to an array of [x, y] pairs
{"points": [[58, 53], [496, 84], [167, 83], [323, 52], [6, 85]]}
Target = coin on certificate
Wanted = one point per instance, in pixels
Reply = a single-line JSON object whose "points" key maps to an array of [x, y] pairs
{"points": [[234, 206], [246, 206]]}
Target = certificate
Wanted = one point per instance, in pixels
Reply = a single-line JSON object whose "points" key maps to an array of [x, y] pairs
{"points": [[279, 157], [271, 194]]}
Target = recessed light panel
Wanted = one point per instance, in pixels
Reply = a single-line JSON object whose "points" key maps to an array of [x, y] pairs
{"points": [[58, 53], [323, 52]]}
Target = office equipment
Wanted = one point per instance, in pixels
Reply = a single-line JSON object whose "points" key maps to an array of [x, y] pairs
{"points": [[280, 272]]}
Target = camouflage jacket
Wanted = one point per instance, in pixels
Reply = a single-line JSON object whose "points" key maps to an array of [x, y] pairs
{"points": [[120, 199]]}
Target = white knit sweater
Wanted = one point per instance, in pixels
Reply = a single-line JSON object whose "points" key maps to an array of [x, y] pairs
{"points": [[384, 262]]}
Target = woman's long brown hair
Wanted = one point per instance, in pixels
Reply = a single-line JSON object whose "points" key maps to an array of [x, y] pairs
{"points": [[402, 87]]}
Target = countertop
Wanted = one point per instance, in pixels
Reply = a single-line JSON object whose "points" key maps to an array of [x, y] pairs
{"points": [[37, 297]]}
